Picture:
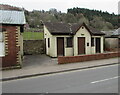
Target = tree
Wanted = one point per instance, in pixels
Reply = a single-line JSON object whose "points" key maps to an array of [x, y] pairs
{"points": [[53, 11], [70, 18], [82, 19]]}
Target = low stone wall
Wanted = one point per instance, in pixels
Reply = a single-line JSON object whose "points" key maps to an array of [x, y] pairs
{"points": [[33, 47], [81, 58]]}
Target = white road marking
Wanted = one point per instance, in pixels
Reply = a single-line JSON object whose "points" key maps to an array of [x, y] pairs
{"points": [[105, 79]]}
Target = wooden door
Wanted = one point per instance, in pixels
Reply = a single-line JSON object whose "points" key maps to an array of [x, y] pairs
{"points": [[81, 45], [60, 46], [98, 45]]}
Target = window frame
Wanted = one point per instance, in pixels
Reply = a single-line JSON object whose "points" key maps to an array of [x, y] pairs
{"points": [[92, 41], [70, 40], [48, 42]]}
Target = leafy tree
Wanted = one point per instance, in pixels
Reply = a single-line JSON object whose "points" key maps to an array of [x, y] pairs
{"points": [[70, 18]]}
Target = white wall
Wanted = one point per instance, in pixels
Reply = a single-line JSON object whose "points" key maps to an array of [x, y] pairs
{"points": [[102, 44], [82, 33], [52, 51], [47, 35], [67, 51]]}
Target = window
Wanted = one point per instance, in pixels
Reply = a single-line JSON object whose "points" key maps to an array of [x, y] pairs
{"points": [[92, 41], [2, 45], [82, 27], [69, 42], [48, 42], [21, 29]]}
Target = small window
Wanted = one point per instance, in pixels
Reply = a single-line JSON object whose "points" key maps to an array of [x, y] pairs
{"points": [[48, 42], [92, 41], [69, 42], [87, 44], [82, 27]]}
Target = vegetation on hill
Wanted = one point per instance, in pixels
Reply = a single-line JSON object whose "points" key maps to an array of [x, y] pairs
{"points": [[97, 19]]}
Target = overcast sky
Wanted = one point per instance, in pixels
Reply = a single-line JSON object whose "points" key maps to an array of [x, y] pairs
{"points": [[62, 5]]}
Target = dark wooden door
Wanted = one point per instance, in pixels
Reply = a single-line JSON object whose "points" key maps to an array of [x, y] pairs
{"points": [[81, 45], [60, 46], [98, 45]]}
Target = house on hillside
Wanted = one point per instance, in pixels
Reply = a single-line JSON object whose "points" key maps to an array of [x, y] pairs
{"points": [[63, 39], [11, 42]]}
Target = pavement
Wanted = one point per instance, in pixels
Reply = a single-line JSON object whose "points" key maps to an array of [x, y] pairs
{"points": [[36, 65]]}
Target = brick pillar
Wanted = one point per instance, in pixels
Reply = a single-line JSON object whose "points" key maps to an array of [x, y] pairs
{"points": [[11, 47]]}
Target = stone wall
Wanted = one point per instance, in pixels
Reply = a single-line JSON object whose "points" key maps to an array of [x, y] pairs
{"points": [[33, 47], [111, 44]]}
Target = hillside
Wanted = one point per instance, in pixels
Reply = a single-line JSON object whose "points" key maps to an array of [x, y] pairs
{"points": [[97, 19], [92, 14]]}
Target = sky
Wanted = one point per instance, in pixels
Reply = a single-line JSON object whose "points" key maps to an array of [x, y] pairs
{"points": [[62, 5]]}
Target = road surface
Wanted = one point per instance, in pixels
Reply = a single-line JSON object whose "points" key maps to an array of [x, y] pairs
{"points": [[92, 80]]}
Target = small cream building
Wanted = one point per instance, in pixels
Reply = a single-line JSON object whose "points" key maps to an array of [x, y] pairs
{"points": [[63, 39]]}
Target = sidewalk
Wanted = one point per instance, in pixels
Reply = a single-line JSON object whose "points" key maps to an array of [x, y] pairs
{"points": [[54, 68]]}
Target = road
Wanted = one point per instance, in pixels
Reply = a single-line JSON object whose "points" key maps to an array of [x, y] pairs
{"points": [[94, 80]]}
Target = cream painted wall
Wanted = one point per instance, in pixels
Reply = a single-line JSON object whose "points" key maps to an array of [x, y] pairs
{"points": [[102, 43], [52, 51], [20, 40], [82, 33], [20, 43], [67, 51], [47, 35]]}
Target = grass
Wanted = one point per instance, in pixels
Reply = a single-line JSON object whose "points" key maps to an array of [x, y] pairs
{"points": [[33, 35]]}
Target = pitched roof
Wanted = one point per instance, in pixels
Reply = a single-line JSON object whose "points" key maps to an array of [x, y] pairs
{"points": [[12, 17], [69, 29], [116, 32], [8, 7], [58, 27], [112, 33]]}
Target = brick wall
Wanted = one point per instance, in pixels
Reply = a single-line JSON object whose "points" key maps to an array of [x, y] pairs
{"points": [[12, 49], [81, 58]]}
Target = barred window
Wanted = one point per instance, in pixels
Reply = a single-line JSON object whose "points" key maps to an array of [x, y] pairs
{"points": [[69, 41]]}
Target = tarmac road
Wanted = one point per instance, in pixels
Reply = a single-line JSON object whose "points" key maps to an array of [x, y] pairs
{"points": [[92, 80]]}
